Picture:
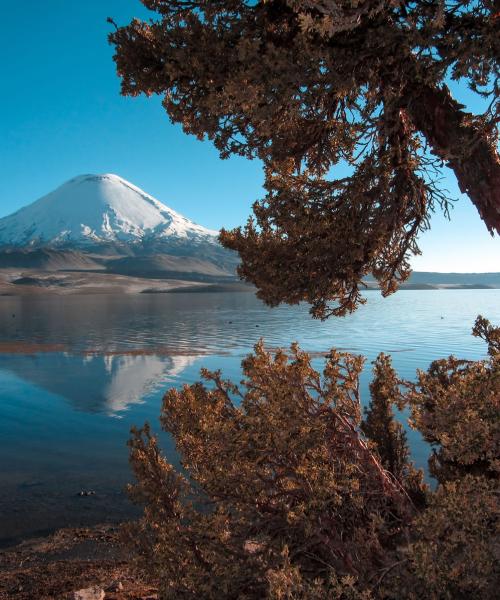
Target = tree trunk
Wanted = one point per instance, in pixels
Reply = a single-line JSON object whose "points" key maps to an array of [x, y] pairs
{"points": [[457, 140]]}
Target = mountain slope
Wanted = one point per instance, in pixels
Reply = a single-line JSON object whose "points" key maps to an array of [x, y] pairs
{"points": [[48, 260], [92, 210], [103, 222]]}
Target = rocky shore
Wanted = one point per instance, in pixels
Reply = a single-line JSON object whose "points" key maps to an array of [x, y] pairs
{"points": [[73, 564]]}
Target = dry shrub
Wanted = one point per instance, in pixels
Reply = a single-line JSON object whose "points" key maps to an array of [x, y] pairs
{"points": [[286, 492]]}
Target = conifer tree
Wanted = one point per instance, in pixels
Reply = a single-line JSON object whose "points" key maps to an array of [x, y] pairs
{"points": [[386, 433], [347, 104]]}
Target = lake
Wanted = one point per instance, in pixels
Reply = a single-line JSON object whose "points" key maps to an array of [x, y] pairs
{"points": [[65, 412]]}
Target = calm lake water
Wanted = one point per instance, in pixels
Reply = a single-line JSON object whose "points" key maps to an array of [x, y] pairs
{"points": [[65, 415]]}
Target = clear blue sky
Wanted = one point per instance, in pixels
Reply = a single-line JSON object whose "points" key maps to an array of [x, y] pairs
{"points": [[61, 115]]}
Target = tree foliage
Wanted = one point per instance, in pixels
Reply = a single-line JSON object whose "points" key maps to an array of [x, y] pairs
{"points": [[286, 492], [455, 549], [386, 433], [347, 105], [456, 407]]}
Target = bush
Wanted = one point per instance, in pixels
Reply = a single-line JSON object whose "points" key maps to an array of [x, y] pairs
{"points": [[286, 492]]}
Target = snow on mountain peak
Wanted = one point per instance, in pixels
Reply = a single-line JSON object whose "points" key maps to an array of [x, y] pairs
{"points": [[94, 209]]}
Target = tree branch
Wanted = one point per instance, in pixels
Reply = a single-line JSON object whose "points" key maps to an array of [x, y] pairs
{"points": [[458, 140]]}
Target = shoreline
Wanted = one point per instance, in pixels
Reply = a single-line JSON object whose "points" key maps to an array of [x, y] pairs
{"points": [[71, 559], [16, 283], [36, 283]]}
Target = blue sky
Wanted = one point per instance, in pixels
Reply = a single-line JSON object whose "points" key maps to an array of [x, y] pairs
{"points": [[61, 115]]}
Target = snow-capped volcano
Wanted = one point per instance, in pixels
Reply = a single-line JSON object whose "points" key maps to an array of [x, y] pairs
{"points": [[92, 210]]}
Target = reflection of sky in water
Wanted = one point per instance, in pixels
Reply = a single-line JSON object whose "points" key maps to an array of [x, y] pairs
{"points": [[57, 437], [56, 434]]}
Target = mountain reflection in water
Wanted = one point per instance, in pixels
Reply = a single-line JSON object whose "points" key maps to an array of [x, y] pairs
{"points": [[96, 383]]}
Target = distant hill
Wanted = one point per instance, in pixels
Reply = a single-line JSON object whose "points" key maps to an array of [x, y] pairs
{"points": [[443, 279], [47, 259], [168, 266], [427, 280]]}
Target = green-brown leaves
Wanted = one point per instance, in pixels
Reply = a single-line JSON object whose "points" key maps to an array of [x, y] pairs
{"points": [[345, 104], [283, 496]]}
